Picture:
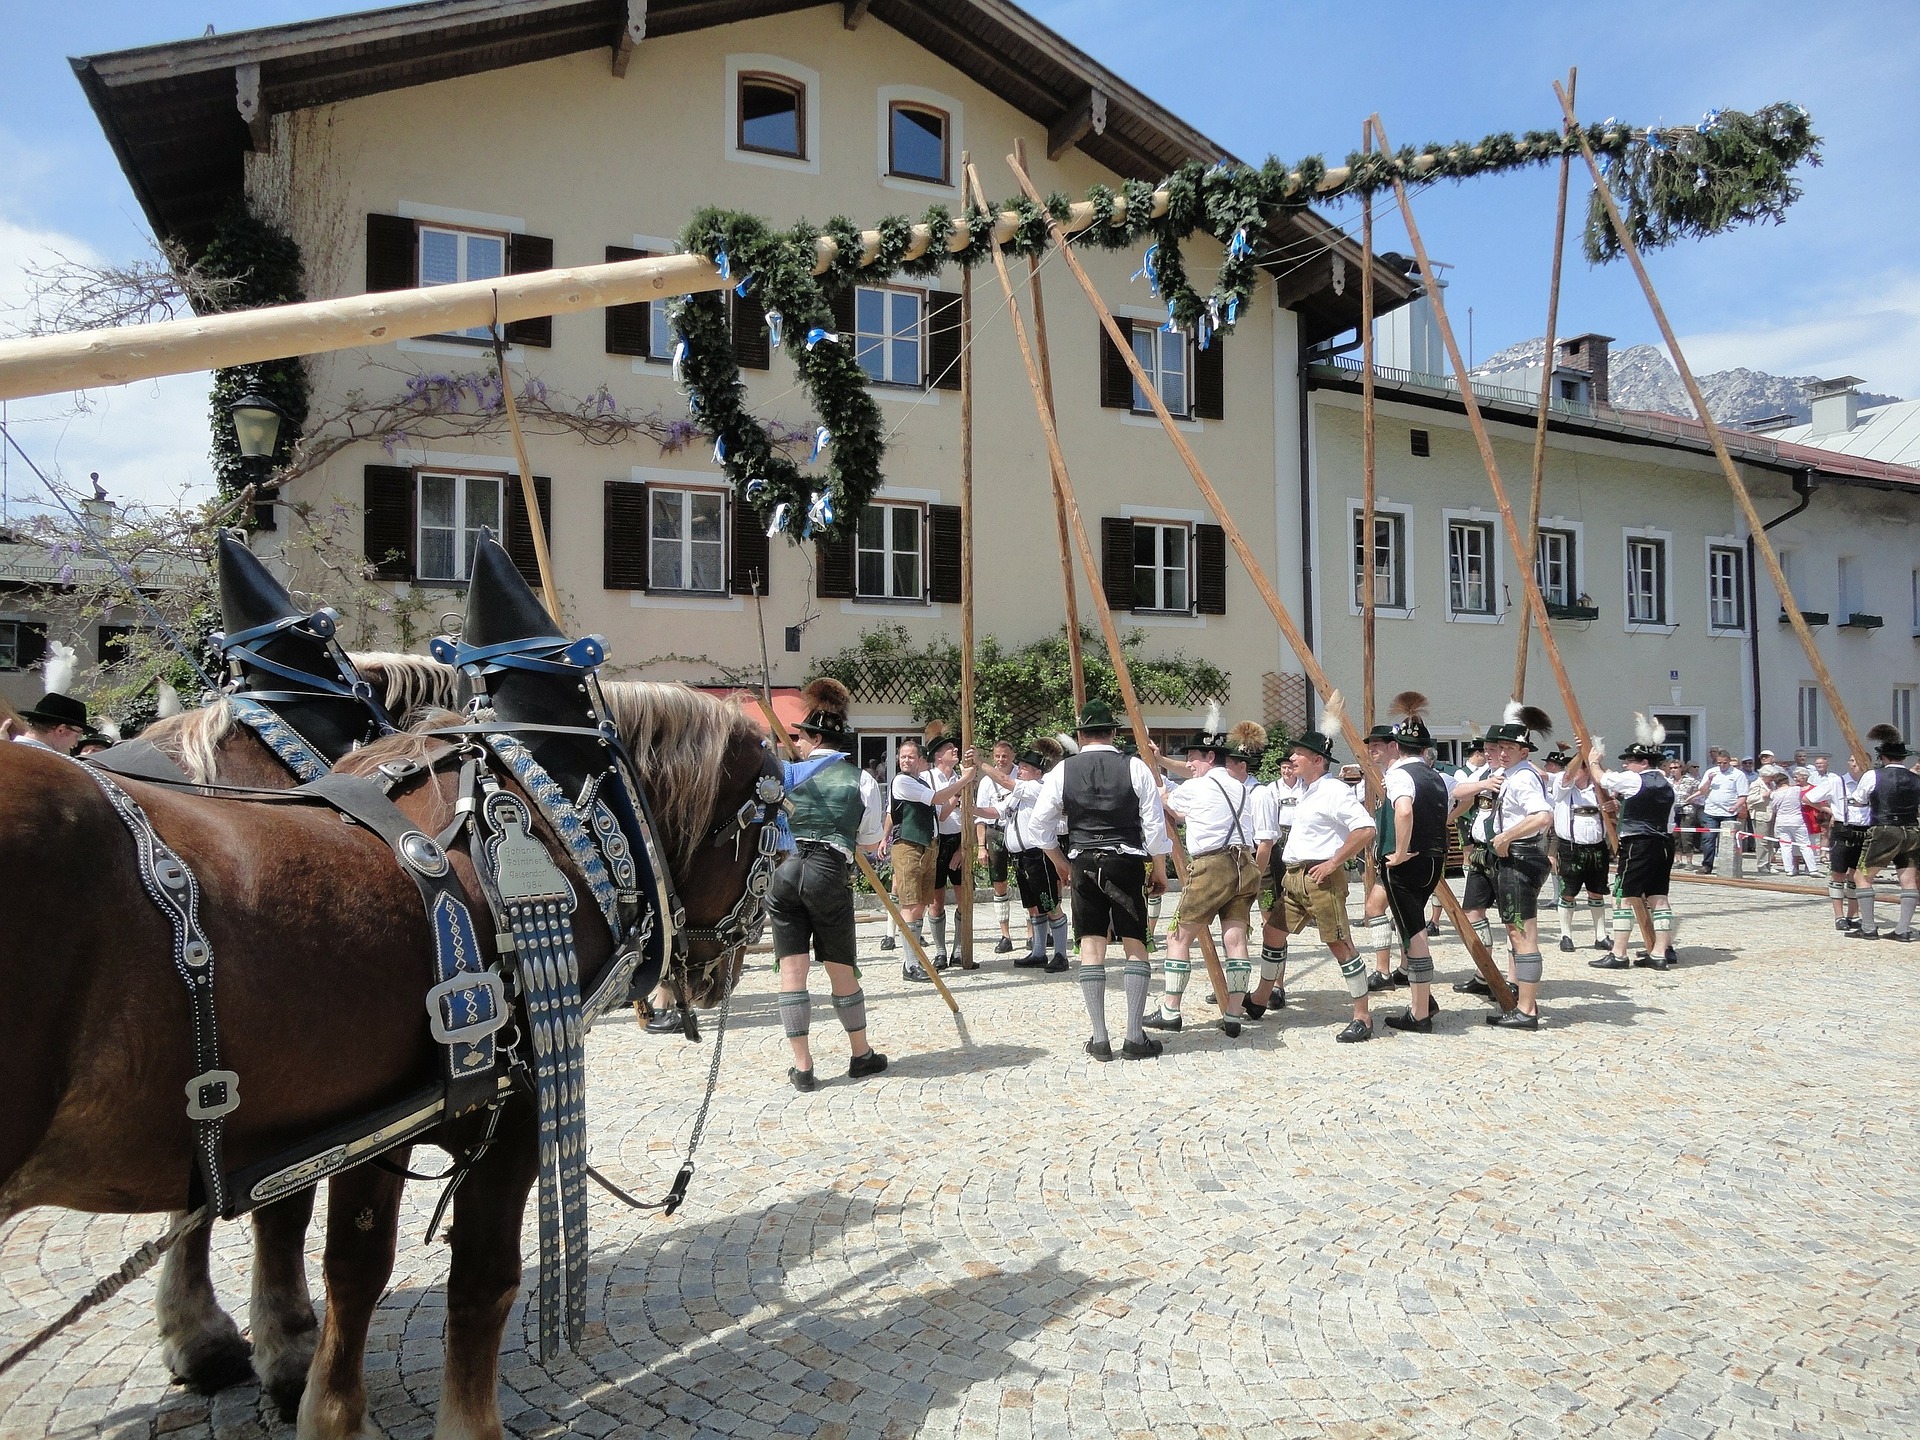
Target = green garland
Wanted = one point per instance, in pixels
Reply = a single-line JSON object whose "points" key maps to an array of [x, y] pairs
{"points": [[1670, 183]]}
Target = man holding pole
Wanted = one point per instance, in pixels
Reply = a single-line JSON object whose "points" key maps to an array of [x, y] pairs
{"points": [[943, 750], [1418, 801], [916, 850], [1523, 816], [1116, 851], [1892, 794], [1027, 849], [1273, 807], [1644, 875], [836, 807], [990, 834]]}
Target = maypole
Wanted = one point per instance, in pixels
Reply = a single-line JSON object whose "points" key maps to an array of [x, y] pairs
{"points": [[967, 962], [1368, 604]]}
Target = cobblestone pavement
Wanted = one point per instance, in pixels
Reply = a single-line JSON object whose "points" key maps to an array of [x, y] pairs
{"points": [[1686, 1207]]}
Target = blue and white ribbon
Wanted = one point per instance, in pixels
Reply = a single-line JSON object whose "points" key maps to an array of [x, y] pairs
{"points": [[1149, 269], [1240, 248], [821, 439], [819, 514], [1203, 334], [1233, 312], [756, 487], [779, 520], [679, 360], [719, 449], [776, 322], [723, 265], [1709, 122], [1172, 327], [816, 335], [745, 282]]}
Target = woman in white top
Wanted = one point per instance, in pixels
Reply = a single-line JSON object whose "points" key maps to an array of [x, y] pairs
{"points": [[1790, 822]]}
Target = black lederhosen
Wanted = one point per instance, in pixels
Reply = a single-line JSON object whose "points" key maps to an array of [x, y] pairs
{"points": [[810, 904], [1109, 895], [1479, 892], [997, 857], [1844, 846], [1410, 887], [1276, 868], [946, 870], [1517, 878], [1039, 881], [1646, 865], [1583, 867]]}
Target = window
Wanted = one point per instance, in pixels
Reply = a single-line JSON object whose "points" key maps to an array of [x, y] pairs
{"points": [[686, 532], [1553, 566], [9, 645], [888, 328], [917, 142], [1389, 560], [449, 256], [1646, 581], [1853, 593], [113, 643], [1809, 717], [887, 553], [773, 115], [1915, 587], [1164, 356], [1161, 578], [1422, 444], [452, 510], [1470, 567], [1903, 711], [1726, 587]]}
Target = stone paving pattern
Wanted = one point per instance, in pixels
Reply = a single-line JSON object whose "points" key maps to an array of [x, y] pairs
{"points": [[1685, 1208]]}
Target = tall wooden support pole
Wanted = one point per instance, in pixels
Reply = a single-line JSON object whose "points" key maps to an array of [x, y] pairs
{"points": [[1536, 602], [1482, 959], [967, 842], [1368, 603], [1129, 698], [530, 497], [1762, 543], [1546, 401]]}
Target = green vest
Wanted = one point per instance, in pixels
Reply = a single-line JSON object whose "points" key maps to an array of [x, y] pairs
{"points": [[827, 806], [1383, 822], [916, 822]]}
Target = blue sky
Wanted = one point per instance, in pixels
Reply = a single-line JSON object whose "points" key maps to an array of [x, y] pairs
{"points": [[1834, 290]]}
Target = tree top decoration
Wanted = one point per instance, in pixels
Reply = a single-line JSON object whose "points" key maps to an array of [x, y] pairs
{"points": [[1671, 183]]}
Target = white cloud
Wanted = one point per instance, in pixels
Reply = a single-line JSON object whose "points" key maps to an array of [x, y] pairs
{"points": [[1872, 332]]}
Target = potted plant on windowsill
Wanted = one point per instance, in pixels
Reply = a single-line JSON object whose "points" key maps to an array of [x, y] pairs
{"points": [[1557, 610], [1860, 620], [1812, 617]]}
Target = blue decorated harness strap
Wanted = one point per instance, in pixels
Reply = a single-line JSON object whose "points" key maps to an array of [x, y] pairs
{"points": [[286, 743]]}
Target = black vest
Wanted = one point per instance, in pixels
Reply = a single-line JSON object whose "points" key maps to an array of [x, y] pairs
{"points": [[1648, 810], [1429, 809], [1896, 796], [1103, 813]]}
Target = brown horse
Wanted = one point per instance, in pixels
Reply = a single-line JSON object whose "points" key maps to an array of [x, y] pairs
{"points": [[322, 957]]}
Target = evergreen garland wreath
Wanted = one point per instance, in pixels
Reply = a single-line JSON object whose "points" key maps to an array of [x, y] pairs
{"points": [[1671, 183]]}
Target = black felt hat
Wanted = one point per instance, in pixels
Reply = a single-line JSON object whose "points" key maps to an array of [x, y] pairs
{"points": [[57, 709]]}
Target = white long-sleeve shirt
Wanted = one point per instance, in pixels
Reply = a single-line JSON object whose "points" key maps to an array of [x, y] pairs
{"points": [[1049, 812]]}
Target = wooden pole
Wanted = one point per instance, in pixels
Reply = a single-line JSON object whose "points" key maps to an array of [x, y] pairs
{"points": [[1074, 658], [1078, 527], [1762, 544], [967, 841], [1536, 602], [1546, 401], [1482, 959], [1368, 604], [778, 732], [529, 497]]}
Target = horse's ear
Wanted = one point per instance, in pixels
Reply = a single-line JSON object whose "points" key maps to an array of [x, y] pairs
{"points": [[500, 604]]}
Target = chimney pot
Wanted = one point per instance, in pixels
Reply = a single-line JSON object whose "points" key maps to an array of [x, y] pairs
{"points": [[1588, 354]]}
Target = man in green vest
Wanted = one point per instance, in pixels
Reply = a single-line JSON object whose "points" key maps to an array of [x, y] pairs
{"points": [[835, 806]]}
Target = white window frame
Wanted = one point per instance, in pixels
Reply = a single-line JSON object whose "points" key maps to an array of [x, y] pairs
{"points": [[783, 69], [1161, 525], [1715, 544], [1161, 338], [1571, 564], [1646, 627], [464, 234], [461, 478], [687, 493], [1903, 708], [888, 97], [890, 338], [1496, 578], [1382, 509], [1849, 572], [889, 553], [1807, 710]]}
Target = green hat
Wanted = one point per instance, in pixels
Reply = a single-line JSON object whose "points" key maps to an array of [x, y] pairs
{"points": [[1383, 732], [1314, 743], [1519, 724], [1096, 715], [1320, 742]]}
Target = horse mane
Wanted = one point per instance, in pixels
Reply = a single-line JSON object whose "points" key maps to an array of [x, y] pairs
{"points": [[408, 684], [678, 738], [192, 739]]}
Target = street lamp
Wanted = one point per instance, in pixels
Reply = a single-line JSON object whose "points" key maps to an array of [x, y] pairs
{"points": [[256, 428]]}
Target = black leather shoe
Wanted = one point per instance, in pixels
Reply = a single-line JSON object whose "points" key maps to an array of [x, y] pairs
{"points": [[911, 971], [1603, 945], [1029, 961], [1841, 926], [664, 1022], [1057, 965], [1670, 959], [1356, 1031], [861, 1066], [1003, 946], [1412, 1025], [1253, 1009], [1566, 943], [1277, 1000], [1099, 1049], [1230, 1026], [887, 942], [1400, 976], [802, 1079], [1514, 1020], [1376, 982], [1161, 1020], [1473, 985], [1433, 931], [1610, 962], [1863, 934], [940, 960], [1147, 1049], [1904, 937]]}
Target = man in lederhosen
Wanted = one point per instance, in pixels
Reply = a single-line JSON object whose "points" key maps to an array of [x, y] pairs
{"points": [[1580, 851], [1850, 825], [1223, 879], [915, 849], [1523, 816], [1116, 850], [1273, 807], [1027, 849], [943, 753], [835, 807], [1892, 794], [1375, 931], [1643, 877], [1418, 800], [1475, 794], [990, 836]]}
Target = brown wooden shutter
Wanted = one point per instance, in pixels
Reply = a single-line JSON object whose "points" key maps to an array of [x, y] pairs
{"points": [[390, 253], [752, 553], [1209, 570], [1210, 381], [519, 542], [833, 567], [841, 304], [629, 327], [31, 643], [1116, 561], [527, 253], [627, 540], [752, 342], [387, 526], [943, 340], [943, 554], [1116, 380]]}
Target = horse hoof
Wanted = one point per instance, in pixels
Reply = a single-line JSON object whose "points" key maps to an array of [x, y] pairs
{"points": [[209, 1364], [285, 1393]]}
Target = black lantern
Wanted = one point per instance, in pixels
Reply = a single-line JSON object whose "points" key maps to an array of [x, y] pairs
{"points": [[256, 429]]}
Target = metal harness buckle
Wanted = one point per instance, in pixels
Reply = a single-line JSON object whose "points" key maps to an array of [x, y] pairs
{"points": [[213, 1094], [487, 980]]}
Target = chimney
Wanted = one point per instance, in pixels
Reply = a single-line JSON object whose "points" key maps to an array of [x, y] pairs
{"points": [[1588, 353], [1835, 404]]}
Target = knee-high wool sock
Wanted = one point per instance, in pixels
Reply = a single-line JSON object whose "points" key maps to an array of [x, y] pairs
{"points": [[1137, 977], [1484, 929], [893, 927], [1867, 924], [1420, 968], [1093, 990], [1354, 971], [1273, 963], [1178, 972], [1909, 902], [919, 929], [1036, 936], [1597, 912], [940, 934], [1058, 928], [1566, 917], [1527, 969], [1238, 973], [1153, 917], [1380, 940], [1662, 926], [1002, 912], [852, 1010], [796, 1012]]}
